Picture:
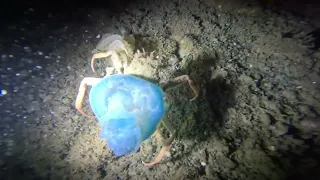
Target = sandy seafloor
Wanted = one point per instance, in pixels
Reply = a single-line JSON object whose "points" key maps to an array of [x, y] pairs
{"points": [[257, 116]]}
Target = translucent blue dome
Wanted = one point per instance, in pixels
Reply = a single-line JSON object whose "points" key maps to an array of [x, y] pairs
{"points": [[128, 109]]}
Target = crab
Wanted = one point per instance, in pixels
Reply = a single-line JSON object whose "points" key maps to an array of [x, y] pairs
{"points": [[119, 52]]}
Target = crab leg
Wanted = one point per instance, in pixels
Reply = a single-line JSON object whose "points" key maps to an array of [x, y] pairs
{"points": [[99, 55], [166, 146], [192, 84], [104, 55], [82, 90]]}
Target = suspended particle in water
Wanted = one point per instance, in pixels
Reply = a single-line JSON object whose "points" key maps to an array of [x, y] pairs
{"points": [[3, 92]]}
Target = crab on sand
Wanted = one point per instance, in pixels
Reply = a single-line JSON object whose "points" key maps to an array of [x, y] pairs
{"points": [[120, 51]]}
